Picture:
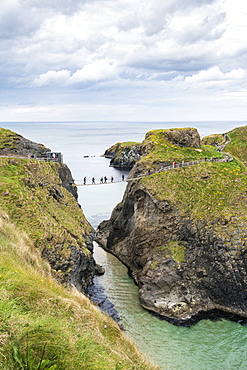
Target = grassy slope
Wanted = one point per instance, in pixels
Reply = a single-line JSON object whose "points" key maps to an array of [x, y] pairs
{"points": [[27, 188], [213, 139], [238, 144], [8, 138], [212, 192], [40, 317], [205, 191]]}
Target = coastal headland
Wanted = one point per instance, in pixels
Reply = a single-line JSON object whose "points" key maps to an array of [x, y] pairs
{"points": [[182, 232]]}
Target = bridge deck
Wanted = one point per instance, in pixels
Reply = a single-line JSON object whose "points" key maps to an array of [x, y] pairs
{"points": [[101, 183]]}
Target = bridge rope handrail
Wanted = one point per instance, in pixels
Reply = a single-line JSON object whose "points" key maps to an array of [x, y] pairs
{"points": [[183, 164]]}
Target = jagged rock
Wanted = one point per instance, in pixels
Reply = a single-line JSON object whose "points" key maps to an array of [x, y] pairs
{"points": [[67, 180], [123, 155]]}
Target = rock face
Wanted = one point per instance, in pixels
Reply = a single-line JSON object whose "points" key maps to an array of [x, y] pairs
{"points": [[187, 137], [182, 267], [67, 180], [17, 145], [124, 156]]}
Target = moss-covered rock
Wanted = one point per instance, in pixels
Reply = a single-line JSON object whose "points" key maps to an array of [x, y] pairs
{"points": [[13, 144]]}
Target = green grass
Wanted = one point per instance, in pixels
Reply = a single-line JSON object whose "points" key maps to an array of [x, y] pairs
{"points": [[172, 249], [8, 139], [40, 319], [213, 139], [27, 189], [238, 144], [32, 195], [205, 191], [129, 143]]}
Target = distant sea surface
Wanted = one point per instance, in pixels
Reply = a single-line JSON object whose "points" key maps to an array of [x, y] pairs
{"points": [[208, 345]]}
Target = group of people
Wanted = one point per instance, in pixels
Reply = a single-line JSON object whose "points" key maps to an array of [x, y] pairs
{"points": [[102, 180]]}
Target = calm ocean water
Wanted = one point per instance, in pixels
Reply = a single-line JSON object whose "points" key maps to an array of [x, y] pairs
{"points": [[207, 345]]}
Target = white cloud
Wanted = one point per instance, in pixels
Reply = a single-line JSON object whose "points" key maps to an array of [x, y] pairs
{"points": [[96, 71], [214, 74], [52, 77]]}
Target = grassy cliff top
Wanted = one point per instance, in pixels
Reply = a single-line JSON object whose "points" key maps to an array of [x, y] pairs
{"points": [[40, 319], [8, 138], [238, 142], [119, 147], [205, 191], [11, 142], [238, 145], [213, 139], [163, 146], [32, 195]]}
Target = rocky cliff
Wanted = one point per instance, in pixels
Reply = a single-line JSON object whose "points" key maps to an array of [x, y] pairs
{"points": [[182, 234], [41, 199]]}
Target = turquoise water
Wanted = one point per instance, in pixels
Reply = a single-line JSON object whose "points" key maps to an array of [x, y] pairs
{"points": [[206, 345]]}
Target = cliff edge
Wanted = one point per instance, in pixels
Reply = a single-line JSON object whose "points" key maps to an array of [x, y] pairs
{"points": [[41, 199]]}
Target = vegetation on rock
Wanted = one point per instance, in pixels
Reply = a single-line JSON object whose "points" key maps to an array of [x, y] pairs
{"points": [[158, 149], [12, 143], [208, 190], [237, 145], [32, 195]]}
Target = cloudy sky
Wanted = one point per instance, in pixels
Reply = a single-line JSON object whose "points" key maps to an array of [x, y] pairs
{"points": [[124, 60]]}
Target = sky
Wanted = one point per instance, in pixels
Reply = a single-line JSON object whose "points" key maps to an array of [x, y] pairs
{"points": [[123, 60]]}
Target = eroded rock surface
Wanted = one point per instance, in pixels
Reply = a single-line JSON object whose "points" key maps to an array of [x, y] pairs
{"points": [[17, 145], [123, 156]]}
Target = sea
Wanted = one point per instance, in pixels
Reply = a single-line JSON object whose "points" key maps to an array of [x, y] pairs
{"points": [[207, 345]]}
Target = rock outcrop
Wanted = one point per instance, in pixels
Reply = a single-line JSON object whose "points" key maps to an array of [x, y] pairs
{"points": [[123, 155], [13, 144], [67, 180]]}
